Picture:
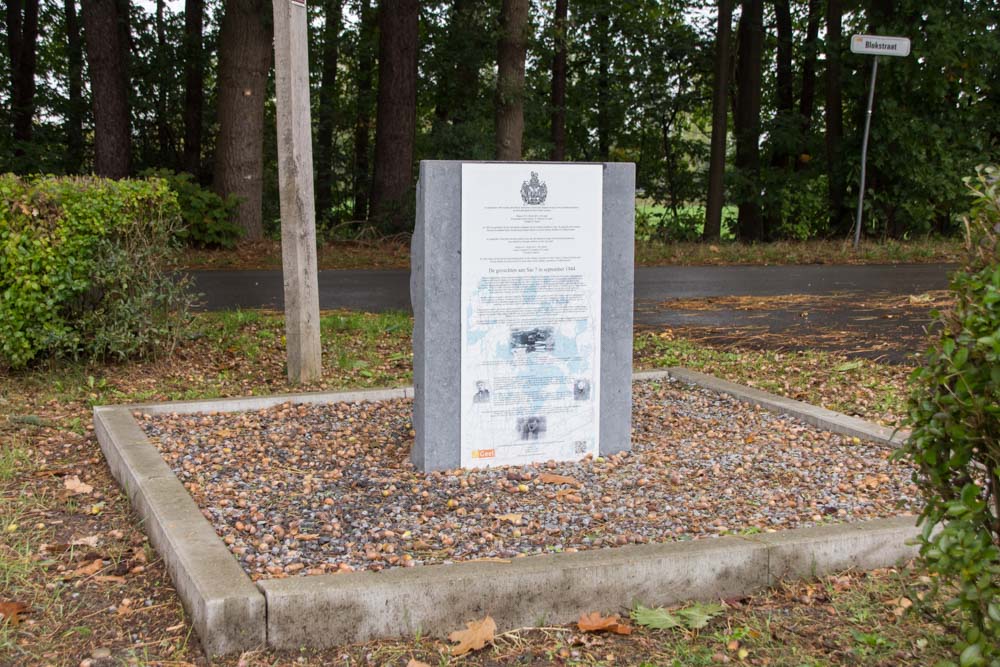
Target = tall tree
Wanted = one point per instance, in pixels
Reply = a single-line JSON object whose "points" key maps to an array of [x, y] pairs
{"points": [[363, 109], [244, 65], [834, 114], [326, 113], [603, 26], [22, 39], [559, 82], [807, 94], [164, 142], [511, 52], [463, 42], [750, 222], [75, 110], [194, 83], [105, 24], [785, 92], [396, 113], [720, 90]]}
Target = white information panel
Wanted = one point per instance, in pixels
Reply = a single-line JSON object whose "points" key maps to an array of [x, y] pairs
{"points": [[531, 312]]}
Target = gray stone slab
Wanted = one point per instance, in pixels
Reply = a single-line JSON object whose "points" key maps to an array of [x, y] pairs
{"points": [[435, 293], [328, 610], [248, 403], [226, 609], [828, 420], [815, 551]]}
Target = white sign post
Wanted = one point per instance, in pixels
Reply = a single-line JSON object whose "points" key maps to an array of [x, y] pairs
{"points": [[873, 45], [295, 184]]}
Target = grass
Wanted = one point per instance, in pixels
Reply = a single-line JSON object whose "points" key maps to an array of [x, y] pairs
{"points": [[394, 253], [46, 435]]}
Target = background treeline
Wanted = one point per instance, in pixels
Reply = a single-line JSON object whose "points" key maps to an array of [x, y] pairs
{"points": [[121, 87]]}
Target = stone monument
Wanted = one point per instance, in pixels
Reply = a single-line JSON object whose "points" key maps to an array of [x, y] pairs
{"points": [[521, 283]]}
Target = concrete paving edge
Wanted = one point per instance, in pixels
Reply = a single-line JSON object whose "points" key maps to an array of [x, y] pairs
{"points": [[327, 610], [227, 610], [828, 420], [231, 614]]}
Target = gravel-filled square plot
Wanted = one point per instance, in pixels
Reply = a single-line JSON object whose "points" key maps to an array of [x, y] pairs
{"points": [[325, 488]]}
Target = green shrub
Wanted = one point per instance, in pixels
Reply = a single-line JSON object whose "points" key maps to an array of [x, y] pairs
{"points": [[85, 269], [208, 218], [954, 412]]}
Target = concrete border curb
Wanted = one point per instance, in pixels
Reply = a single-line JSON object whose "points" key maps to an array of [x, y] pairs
{"points": [[828, 420], [226, 608], [231, 613]]}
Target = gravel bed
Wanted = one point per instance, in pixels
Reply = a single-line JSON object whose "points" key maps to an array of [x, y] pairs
{"points": [[312, 489]]}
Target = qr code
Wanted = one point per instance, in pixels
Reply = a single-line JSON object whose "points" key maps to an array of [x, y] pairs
{"points": [[580, 446]]}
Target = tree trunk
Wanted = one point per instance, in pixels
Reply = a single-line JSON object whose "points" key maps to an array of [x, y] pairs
{"points": [[807, 98], [244, 63], [785, 120], [750, 223], [396, 113], [22, 39], [165, 147], [75, 110], [603, 83], [559, 82], [466, 41], [511, 52], [194, 84], [720, 91], [105, 29], [834, 115], [326, 113], [363, 117], [785, 94]]}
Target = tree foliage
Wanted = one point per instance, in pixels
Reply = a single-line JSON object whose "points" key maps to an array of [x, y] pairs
{"points": [[955, 443], [638, 86]]}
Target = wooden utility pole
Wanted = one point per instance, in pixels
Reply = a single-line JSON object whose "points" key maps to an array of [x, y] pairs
{"points": [[295, 183]]}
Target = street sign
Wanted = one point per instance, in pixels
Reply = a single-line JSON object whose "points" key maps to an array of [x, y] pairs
{"points": [[872, 45], [878, 45]]}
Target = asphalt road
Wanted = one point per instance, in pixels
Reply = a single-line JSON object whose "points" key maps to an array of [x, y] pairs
{"points": [[390, 290], [872, 311]]}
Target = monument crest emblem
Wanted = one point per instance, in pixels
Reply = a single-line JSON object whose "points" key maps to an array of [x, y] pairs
{"points": [[534, 191]]}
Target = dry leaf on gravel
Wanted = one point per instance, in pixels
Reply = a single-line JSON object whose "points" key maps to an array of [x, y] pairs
{"points": [[91, 568], [475, 636], [594, 622], [9, 611], [74, 485], [549, 478]]}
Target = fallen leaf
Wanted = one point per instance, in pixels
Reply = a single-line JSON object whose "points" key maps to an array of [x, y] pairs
{"points": [[658, 619], [549, 478], [9, 611], [87, 570], [74, 485], [52, 472], [416, 663], [697, 616], [594, 622], [475, 636]]}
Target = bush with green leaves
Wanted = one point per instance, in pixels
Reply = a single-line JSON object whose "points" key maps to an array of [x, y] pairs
{"points": [[207, 217], [954, 413], [86, 269]]}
